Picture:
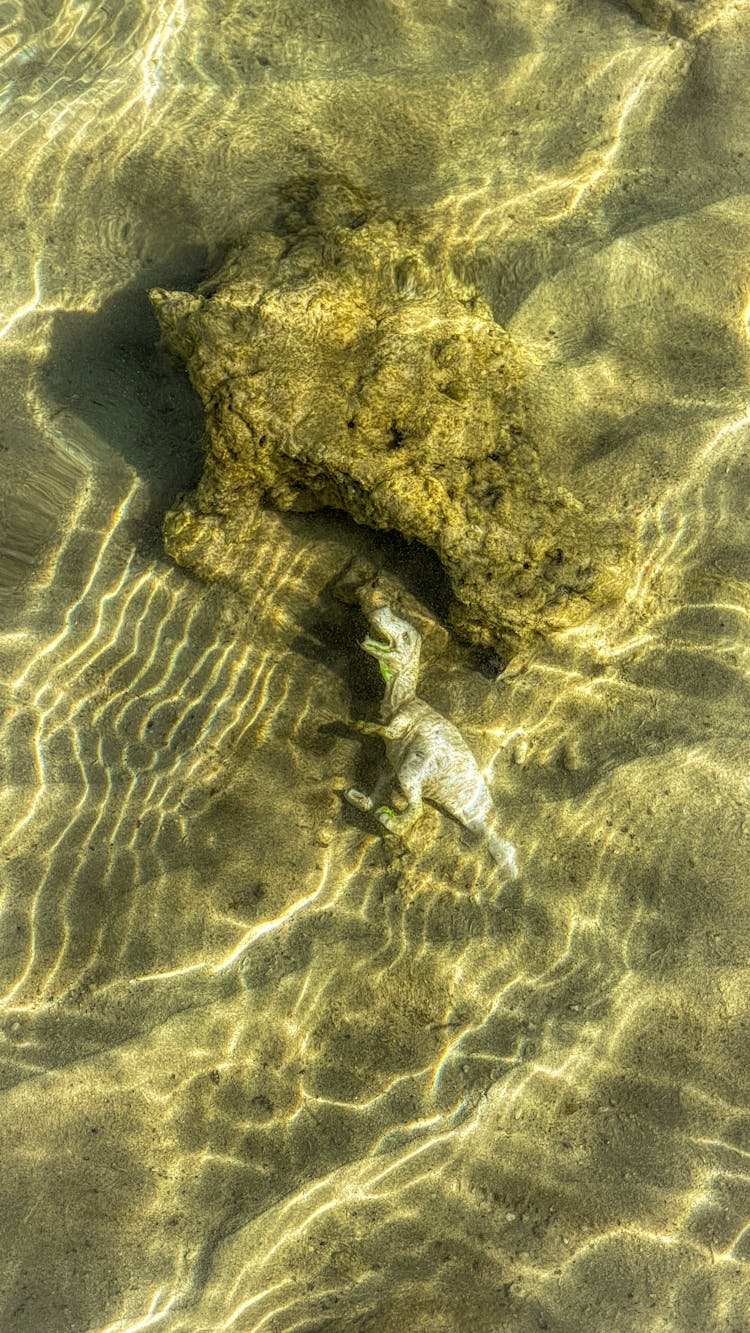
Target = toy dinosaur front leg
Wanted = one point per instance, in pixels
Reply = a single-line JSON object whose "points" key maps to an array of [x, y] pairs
{"points": [[369, 728], [385, 730]]}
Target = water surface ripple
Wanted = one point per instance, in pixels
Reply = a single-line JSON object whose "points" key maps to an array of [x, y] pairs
{"points": [[260, 1070]]}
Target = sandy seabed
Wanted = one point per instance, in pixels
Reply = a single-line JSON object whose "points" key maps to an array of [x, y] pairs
{"points": [[261, 1070]]}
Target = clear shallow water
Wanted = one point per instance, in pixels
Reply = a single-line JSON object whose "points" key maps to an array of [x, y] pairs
{"points": [[257, 1073]]}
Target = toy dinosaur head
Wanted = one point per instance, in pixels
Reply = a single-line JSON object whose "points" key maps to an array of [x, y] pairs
{"points": [[395, 644]]}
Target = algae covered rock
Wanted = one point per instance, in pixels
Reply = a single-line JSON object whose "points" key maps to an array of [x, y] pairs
{"points": [[342, 363], [682, 18]]}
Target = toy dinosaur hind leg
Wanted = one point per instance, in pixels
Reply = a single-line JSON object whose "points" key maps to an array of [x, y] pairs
{"points": [[361, 801], [410, 780]]}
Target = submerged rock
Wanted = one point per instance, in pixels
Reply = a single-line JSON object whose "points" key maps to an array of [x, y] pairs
{"points": [[343, 363], [681, 18]]}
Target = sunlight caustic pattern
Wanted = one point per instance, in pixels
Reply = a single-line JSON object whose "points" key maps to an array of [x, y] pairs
{"points": [[118, 728], [261, 1068]]}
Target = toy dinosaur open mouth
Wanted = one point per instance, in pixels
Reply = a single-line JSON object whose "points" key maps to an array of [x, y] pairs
{"points": [[378, 647]]}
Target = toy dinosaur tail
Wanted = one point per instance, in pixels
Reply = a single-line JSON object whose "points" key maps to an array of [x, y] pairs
{"points": [[503, 852]]}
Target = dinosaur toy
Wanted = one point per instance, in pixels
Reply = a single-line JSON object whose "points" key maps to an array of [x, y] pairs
{"points": [[427, 753]]}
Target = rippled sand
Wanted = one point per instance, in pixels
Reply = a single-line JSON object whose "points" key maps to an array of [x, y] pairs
{"points": [[260, 1071]]}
